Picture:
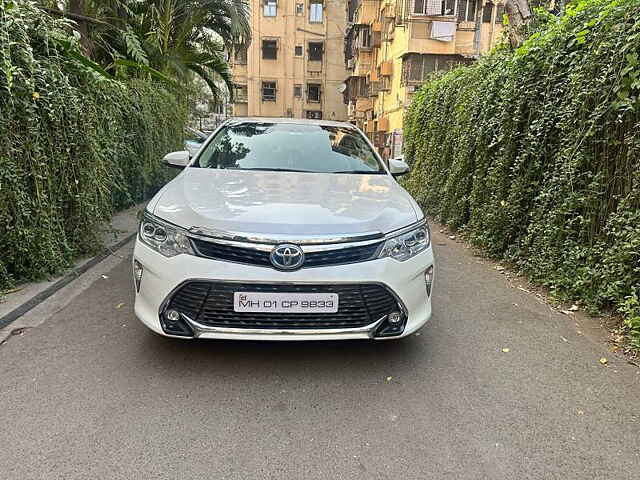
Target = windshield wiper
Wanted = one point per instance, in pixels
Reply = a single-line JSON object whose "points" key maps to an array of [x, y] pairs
{"points": [[274, 170], [367, 172]]}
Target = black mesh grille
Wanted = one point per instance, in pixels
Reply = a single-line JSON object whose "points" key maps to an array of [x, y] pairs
{"points": [[211, 304], [232, 253], [250, 256]]}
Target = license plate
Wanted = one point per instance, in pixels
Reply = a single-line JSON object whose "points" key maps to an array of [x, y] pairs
{"points": [[285, 302]]}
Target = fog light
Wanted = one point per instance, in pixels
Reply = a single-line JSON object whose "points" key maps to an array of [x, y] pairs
{"points": [[137, 274], [428, 279], [173, 315], [392, 326]]}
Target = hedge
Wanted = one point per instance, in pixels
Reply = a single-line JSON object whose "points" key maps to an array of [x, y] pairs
{"points": [[74, 146], [535, 154]]}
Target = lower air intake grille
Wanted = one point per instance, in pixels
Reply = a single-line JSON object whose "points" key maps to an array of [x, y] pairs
{"points": [[211, 304]]}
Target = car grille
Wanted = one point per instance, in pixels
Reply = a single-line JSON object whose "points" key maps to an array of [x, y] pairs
{"points": [[250, 256], [211, 304]]}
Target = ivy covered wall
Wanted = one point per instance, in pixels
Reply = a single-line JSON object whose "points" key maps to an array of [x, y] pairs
{"points": [[74, 146], [535, 153]]}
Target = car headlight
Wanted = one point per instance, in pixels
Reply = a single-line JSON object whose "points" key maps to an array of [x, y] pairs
{"points": [[407, 245], [164, 238]]}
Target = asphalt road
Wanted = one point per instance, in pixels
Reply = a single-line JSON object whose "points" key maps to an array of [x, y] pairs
{"points": [[90, 394]]}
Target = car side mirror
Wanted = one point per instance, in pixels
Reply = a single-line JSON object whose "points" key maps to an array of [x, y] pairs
{"points": [[178, 159], [398, 167]]}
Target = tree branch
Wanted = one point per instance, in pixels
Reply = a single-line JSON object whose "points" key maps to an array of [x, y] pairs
{"points": [[74, 16]]}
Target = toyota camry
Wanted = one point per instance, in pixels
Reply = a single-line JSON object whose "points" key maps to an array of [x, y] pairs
{"points": [[283, 229]]}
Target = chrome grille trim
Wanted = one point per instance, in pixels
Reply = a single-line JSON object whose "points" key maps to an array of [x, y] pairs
{"points": [[259, 254], [204, 232], [208, 234]]}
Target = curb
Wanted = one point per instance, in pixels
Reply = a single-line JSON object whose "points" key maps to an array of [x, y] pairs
{"points": [[74, 273]]}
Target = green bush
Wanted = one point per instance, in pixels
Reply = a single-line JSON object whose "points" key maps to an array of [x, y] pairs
{"points": [[535, 153], [74, 146]]}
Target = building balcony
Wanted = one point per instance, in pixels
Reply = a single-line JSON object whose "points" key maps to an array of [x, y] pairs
{"points": [[314, 66], [386, 68], [383, 124], [363, 104], [423, 37], [367, 13], [239, 76], [311, 105], [362, 69], [370, 127]]}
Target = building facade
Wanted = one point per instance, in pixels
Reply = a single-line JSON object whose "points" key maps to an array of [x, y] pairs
{"points": [[393, 46], [294, 66]]}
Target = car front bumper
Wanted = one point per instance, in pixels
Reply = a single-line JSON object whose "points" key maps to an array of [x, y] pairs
{"points": [[162, 276]]}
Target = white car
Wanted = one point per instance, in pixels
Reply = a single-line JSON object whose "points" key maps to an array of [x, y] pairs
{"points": [[193, 140], [284, 229]]}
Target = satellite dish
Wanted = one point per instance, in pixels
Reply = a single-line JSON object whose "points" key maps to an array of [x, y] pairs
{"points": [[342, 87]]}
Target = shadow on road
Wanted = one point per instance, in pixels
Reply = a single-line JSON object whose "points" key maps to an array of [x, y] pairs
{"points": [[322, 358]]}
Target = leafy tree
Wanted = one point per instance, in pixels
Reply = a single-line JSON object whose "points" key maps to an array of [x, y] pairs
{"points": [[171, 40]]}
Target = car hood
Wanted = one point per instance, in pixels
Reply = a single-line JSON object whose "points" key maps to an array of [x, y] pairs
{"points": [[280, 205]]}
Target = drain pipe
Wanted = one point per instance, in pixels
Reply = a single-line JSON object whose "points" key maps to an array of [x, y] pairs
{"points": [[476, 35]]}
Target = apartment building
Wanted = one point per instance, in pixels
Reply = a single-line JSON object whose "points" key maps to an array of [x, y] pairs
{"points": [[393, 46], [294, 66]]}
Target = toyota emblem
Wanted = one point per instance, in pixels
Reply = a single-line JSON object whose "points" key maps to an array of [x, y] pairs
{"points": [[287, 257]]}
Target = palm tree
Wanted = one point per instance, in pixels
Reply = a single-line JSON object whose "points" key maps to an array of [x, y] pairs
{"points": [[167, 39]]}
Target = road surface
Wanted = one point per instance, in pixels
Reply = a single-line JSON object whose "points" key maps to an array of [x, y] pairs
{"points": [[91, 394]]}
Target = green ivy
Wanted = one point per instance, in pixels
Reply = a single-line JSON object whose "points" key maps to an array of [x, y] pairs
{"points": [[74, 146], [535, 153]]}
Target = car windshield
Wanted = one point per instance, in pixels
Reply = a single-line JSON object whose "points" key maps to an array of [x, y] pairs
{"points": [[290, 147]]}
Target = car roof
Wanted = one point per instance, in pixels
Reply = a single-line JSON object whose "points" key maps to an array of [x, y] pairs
{"points": [[298, 121]]}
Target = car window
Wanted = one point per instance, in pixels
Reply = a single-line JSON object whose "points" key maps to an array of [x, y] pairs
{"points": [[193, 137], [290, 147]]}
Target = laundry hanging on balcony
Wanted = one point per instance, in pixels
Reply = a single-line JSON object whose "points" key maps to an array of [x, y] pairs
{"points": [[443, 31]]}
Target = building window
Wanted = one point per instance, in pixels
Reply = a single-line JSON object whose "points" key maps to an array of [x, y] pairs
{"points": [[417, 68], [240, 93], [365, 37], [434, 7], [467, 10], [268, 91], [270, 49], [500, 14], [486, 12], [363, 87], [298, 50], [315, 51], [313, 92], [299, 9], [315, 11], [314, 114], [297, 91], [240, 54], [270, 8]]}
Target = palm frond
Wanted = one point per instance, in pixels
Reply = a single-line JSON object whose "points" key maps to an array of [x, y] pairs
{"points": [[151, 71]]}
